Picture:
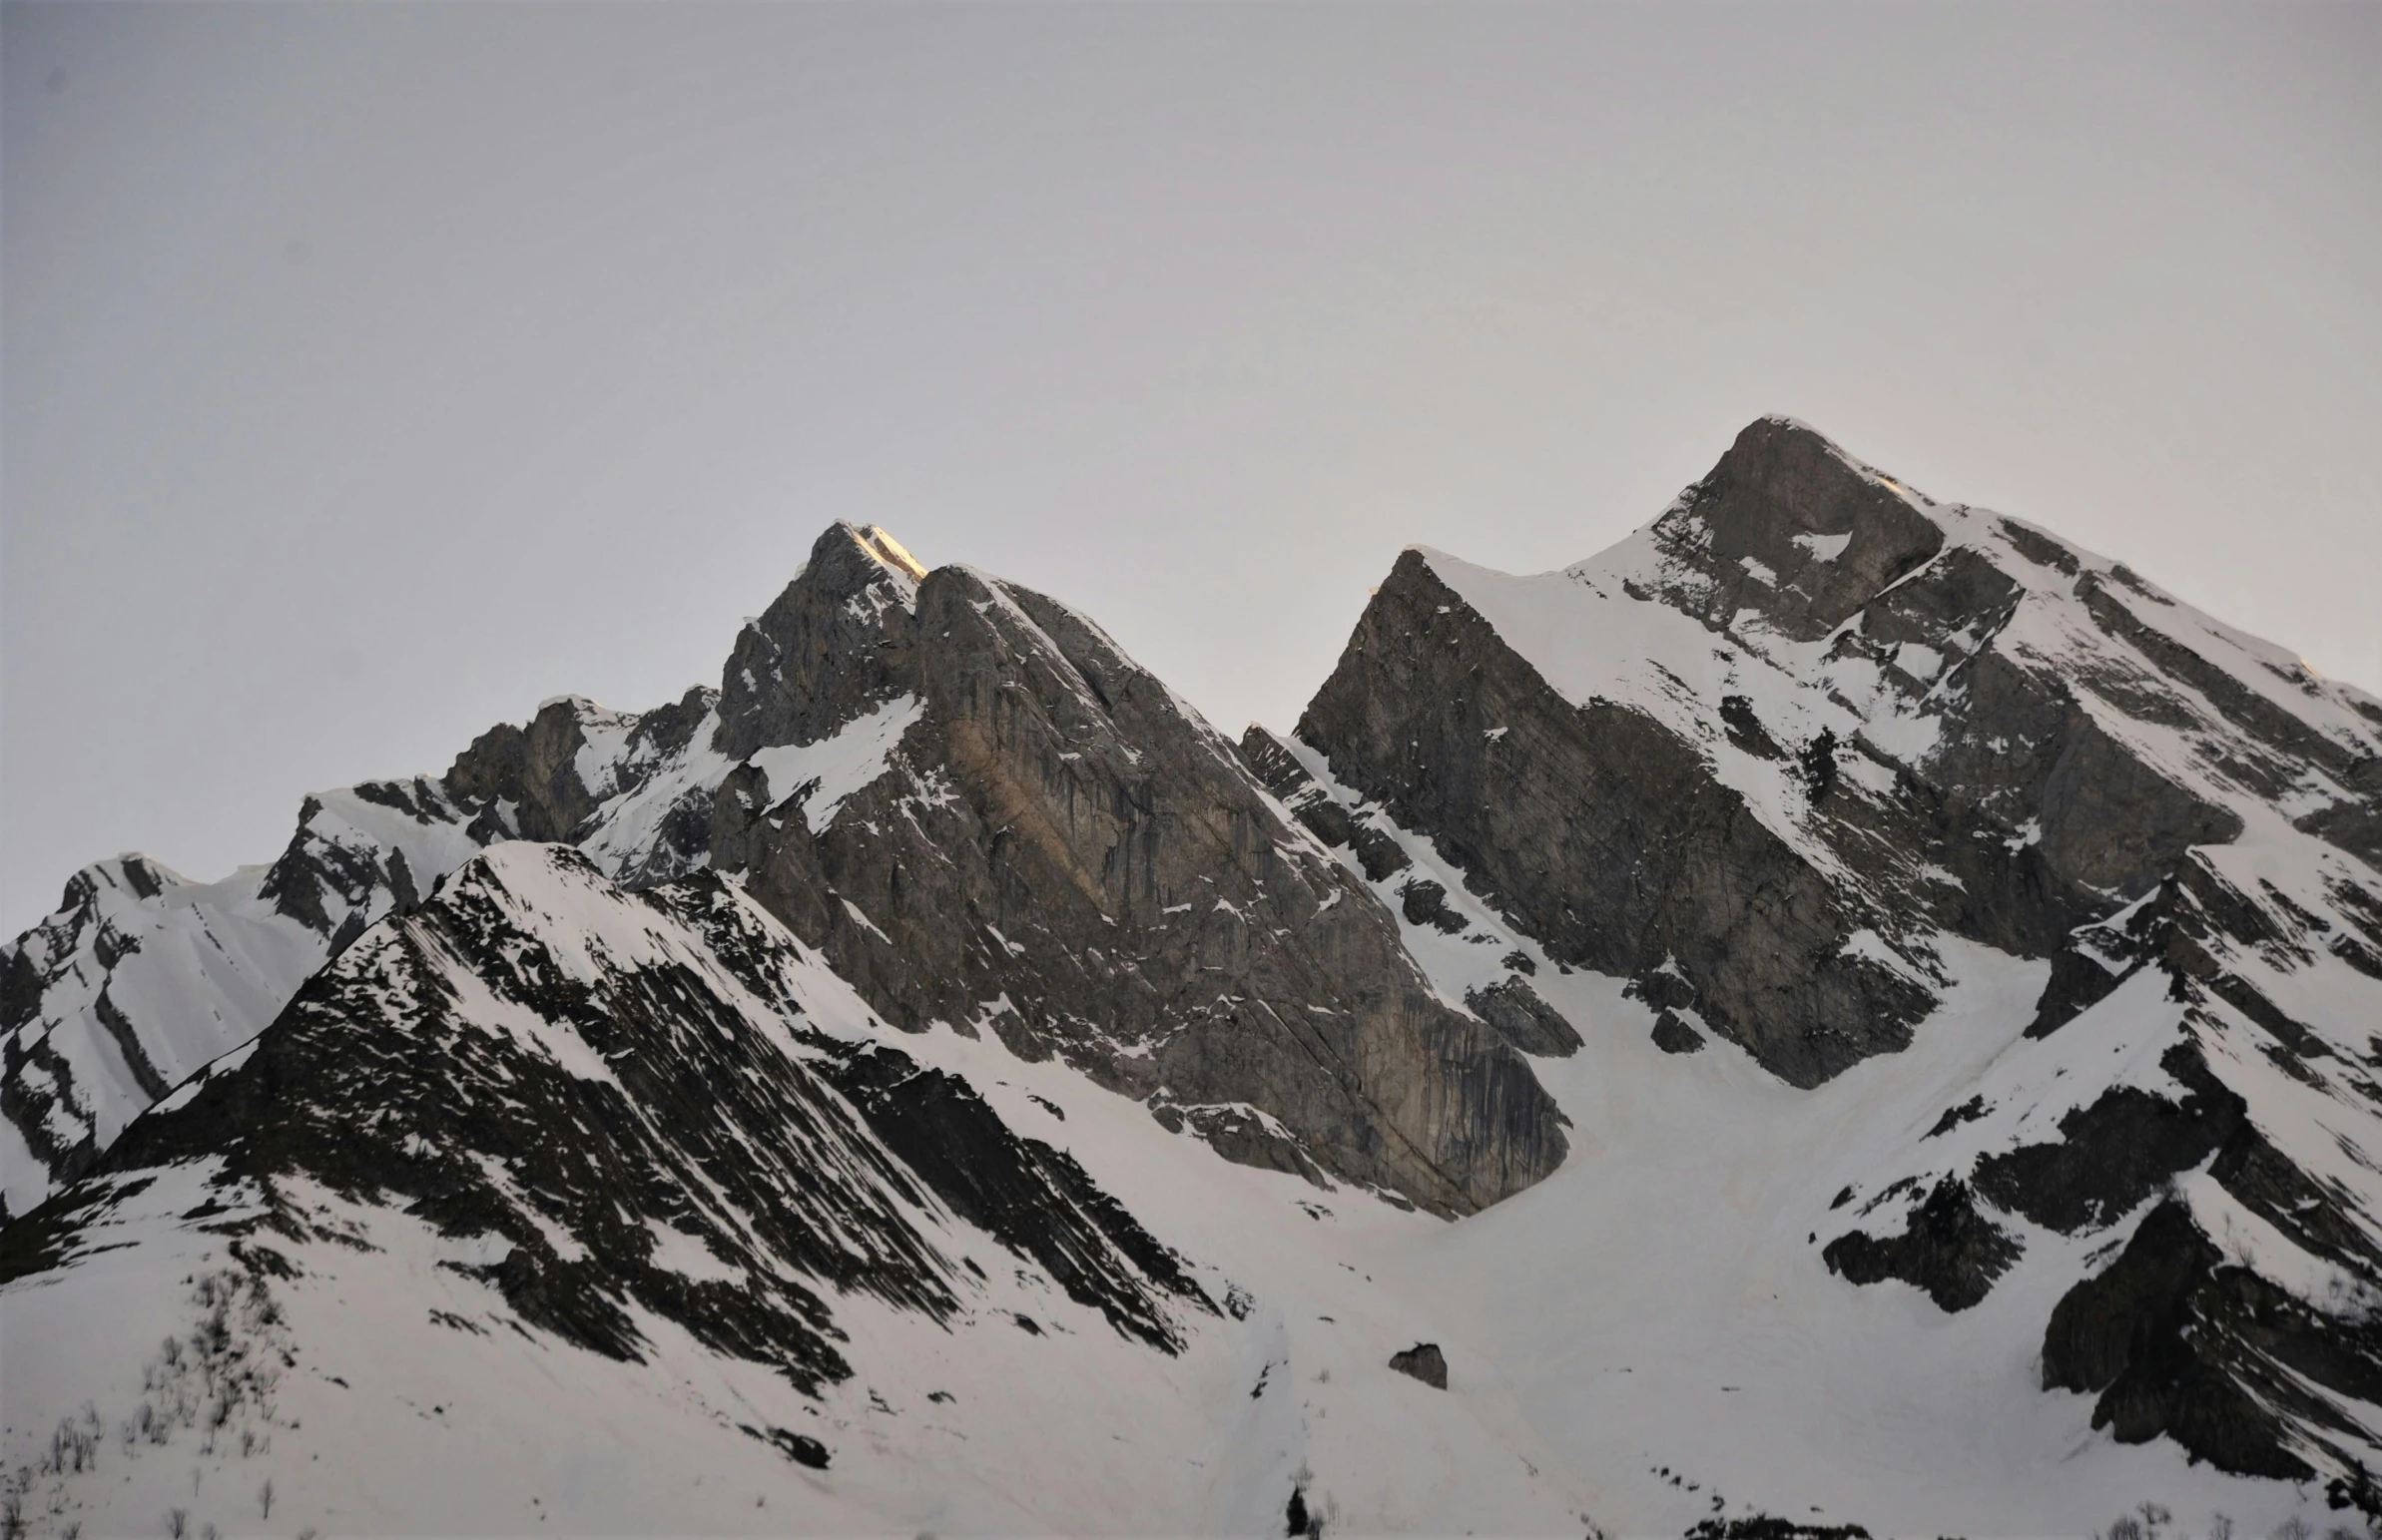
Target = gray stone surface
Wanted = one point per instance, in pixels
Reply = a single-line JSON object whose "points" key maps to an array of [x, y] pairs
{"points": [[1423, 1361], [1065, 855]]}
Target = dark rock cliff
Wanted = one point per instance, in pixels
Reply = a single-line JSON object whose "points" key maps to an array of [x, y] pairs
{"points": [[1599, 831], [1065, 855]]}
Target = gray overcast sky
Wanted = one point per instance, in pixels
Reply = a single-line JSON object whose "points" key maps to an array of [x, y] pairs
{"points": [[372, 372]]}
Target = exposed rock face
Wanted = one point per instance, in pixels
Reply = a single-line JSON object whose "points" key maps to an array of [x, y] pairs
{"points": [[1920, 766], [835, 642], [549, 780], [1598, 831], [1783, 529], [1065, 853]]}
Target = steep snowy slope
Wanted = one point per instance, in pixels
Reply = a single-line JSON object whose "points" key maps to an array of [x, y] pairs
{"points": [[1775, 757], [552, 1202], [400, 1299]]}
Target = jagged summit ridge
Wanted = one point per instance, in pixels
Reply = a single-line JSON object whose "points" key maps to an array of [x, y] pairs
{"points": [[900, 791]]}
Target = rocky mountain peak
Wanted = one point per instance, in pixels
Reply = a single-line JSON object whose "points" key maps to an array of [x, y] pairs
{"points": [[1056, 848], [834, 645], [1789, 525], [1781, 754]]}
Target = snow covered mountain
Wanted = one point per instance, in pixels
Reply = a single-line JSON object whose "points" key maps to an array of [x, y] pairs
{"points": [[1843, 1007], [142, 977], [1775, 754]]}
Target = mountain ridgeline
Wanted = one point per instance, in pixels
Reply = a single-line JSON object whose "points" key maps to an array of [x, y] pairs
{"points": [[688, 1027]]}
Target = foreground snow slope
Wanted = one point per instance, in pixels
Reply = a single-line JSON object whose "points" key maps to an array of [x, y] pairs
{"points": [[394, 1301], [1659, 1308], [1652, 1310]]}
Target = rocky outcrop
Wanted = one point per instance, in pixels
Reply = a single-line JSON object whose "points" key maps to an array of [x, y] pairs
{"points": [[1672, 1034], [1423, 1361], [1948, 1249], [1529, 1023], [2175, 1340], [548, 780]]}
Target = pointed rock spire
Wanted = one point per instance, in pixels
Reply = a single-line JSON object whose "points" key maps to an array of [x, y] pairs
{"points": [[1791, 526], [834, 643]]}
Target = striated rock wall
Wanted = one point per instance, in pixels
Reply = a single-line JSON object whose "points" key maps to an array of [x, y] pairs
{"points": [[1066, 855]]}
